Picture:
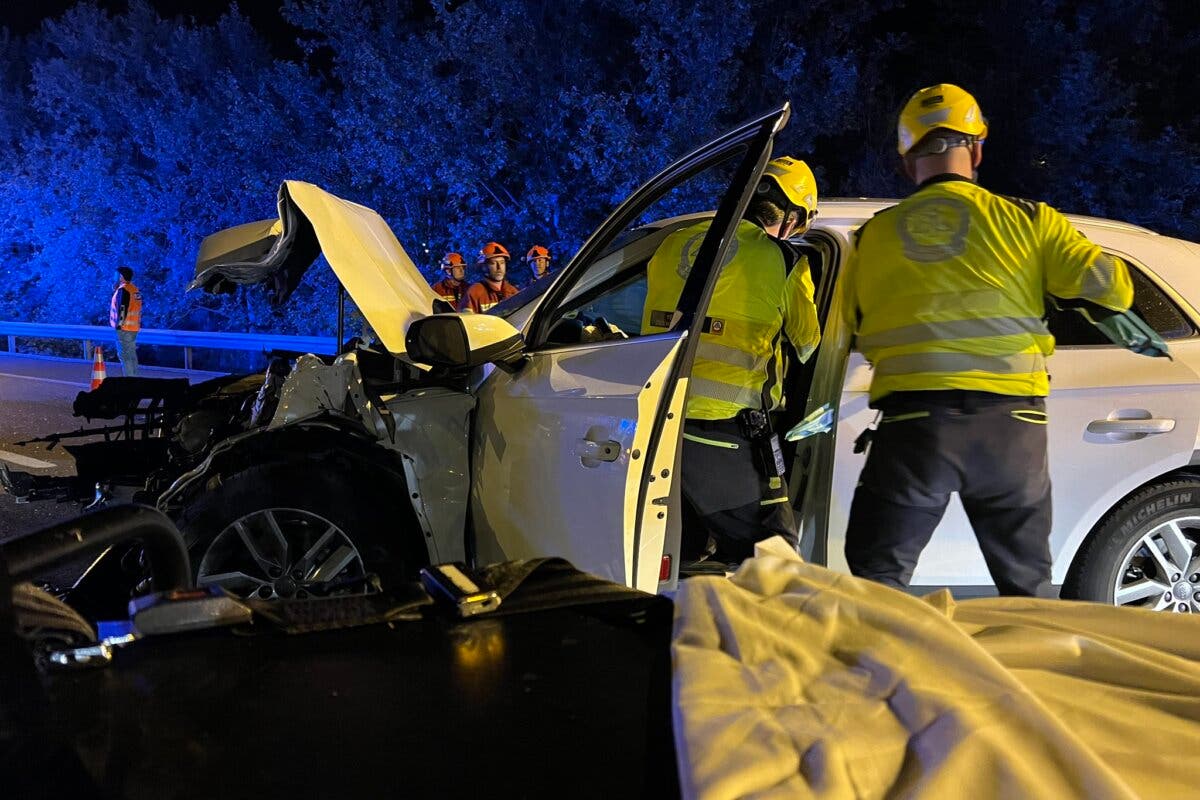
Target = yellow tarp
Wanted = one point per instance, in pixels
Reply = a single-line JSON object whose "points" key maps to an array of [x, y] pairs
{"points": [[794, 681]]}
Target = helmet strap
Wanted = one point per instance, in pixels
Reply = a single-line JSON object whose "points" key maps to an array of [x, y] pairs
{"points": [[941, 144]]}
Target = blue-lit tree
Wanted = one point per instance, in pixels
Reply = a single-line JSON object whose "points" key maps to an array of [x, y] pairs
{"points": [[130, 137], [144, 135]]}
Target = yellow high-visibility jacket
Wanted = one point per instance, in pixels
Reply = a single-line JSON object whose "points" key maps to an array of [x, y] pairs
{"points": [[757, 301], [946, 290]]}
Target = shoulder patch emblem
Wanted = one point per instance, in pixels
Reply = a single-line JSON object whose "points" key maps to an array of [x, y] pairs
{"points": [[933, 229]]}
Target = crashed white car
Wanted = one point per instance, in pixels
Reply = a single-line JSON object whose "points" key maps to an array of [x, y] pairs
{"points": [[551, 427]]}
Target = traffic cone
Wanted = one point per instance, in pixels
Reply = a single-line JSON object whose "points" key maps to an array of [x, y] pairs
{"points": [[98, 371]]}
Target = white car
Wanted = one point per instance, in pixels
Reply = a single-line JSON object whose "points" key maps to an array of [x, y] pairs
{"points": [[549, 427]]}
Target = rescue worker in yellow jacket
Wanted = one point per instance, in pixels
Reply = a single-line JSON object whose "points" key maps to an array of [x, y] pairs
{"points": [[125, 316], [732, 476], [945, 294]]}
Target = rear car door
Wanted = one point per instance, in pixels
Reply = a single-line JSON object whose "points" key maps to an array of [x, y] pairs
{"points": [[575, 455]]}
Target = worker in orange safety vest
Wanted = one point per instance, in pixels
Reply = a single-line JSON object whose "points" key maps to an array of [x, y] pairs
{"points": [[125, 316]]}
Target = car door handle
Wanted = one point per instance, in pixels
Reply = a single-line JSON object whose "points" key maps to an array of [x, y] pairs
{"points": [[591, 452], [1127, 426]]}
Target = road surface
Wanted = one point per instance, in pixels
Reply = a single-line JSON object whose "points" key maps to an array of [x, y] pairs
{"points": [[35, 399]]}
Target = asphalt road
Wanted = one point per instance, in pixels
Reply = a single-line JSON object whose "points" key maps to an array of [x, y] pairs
{"points": [[35, 399]]}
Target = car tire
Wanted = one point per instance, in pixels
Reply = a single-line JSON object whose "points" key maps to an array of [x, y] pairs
{"points": [[1116, 566], [365, 520]]}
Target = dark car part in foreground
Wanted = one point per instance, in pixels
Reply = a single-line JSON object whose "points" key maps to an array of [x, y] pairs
{"points": [[562, 691]]}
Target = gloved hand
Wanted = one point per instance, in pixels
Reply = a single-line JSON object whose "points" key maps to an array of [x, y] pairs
{"points": [[1132, 333], [1124, 328], [820, 421]]}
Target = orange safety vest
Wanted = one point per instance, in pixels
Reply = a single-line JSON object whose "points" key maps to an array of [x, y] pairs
{"points": [[481, 296], [133, 315]]}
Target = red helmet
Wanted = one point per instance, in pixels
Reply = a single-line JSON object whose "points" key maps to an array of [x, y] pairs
{"points": [[537, 251], [451, 260], [492, 249]]}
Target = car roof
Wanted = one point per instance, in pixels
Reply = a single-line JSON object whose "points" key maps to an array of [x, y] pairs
{"points": [[1175, 261], [853, 211]]}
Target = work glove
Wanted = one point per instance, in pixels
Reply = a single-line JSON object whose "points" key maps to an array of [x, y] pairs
{"points": [[1132, 333], [1124, 328], [819, 421]]}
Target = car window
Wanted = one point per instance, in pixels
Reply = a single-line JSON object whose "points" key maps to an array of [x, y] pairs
{"points": [[621, 306], [613, 287], [1150, 302], [721, 174]]}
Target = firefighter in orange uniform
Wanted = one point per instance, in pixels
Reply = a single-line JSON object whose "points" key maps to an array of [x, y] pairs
{"points": [[452, 287], [538, 259], [493, 258]]}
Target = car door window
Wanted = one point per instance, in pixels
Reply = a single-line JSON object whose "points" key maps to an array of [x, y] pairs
{"points": [[1149, 301], [607, 278], [619, 305], [613, 286]]}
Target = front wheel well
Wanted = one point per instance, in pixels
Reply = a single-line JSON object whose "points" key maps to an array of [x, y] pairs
{"points": [[333, 446], [332, 513], [1072, 578]]}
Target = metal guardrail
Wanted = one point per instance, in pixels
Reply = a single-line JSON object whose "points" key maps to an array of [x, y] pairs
{"points": [[188, 340]]}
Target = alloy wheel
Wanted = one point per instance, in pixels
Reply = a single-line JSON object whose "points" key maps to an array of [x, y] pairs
{"points": [[1161, 570], [282, 553]]}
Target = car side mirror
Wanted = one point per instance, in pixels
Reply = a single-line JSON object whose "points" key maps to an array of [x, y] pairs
{"points": [[465, 341]]}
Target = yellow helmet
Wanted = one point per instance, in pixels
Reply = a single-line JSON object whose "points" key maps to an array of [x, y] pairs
{"points": [[794, 179], [941, 106]]}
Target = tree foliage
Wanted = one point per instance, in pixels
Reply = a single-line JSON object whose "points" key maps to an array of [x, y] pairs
{"points": [[131, 136]]}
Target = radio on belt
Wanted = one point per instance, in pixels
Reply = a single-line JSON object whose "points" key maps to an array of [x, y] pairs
{"points": [[450, 583]]}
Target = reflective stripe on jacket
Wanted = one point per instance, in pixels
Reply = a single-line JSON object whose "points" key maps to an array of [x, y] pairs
{"points": [[739, 360], [133, 314], [946, 290], [481, 296]]}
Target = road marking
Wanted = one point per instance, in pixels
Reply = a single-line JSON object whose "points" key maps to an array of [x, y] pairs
{"points": [[25, 461], [44, 380]]}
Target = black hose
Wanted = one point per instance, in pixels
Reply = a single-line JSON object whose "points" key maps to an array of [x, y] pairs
{"points": [[31, 555]]}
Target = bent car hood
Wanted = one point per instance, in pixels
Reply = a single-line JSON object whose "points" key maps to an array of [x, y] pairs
{"points": [[359, 246]]}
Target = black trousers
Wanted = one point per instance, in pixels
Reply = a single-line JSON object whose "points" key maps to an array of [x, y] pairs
{"points": [[991, 449], [730, 493]]}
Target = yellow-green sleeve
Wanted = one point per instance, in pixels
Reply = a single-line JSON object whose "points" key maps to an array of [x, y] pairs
{"points": [[1075, 267], [800, 322]]}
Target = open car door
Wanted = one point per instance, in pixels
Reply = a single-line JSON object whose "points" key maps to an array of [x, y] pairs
{"points": [[575, 454]]}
